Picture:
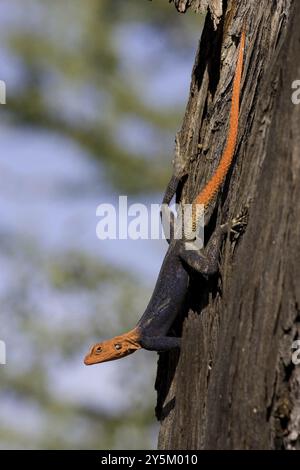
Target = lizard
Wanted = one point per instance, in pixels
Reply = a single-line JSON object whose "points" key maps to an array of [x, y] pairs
{"points": [[166, 302]]}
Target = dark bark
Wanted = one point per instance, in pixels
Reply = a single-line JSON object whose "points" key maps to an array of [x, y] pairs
{"points": [[234, 385]]}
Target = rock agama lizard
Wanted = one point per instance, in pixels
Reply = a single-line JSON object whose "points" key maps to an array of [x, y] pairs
{"points": [[151, 332]]}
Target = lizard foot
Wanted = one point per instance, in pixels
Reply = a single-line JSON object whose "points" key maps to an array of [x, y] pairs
{"points": [[239, 223]]}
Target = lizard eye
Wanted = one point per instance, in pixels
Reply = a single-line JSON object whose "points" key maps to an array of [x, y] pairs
{"points": [[98, 350], [118, 346]]}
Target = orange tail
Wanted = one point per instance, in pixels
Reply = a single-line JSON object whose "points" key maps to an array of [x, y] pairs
{"points": [[213, 185]]}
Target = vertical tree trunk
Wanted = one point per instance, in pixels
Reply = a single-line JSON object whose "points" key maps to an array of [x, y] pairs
{"points": [[234, 385]]}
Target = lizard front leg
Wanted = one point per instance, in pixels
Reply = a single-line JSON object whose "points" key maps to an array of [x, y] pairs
{"points": [[159, 343]]}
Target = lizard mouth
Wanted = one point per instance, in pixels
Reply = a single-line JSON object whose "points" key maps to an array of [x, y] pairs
{"points": [[88, 360]]}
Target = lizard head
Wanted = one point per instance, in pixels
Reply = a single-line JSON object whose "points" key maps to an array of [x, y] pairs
{"points": [[115, 348]]}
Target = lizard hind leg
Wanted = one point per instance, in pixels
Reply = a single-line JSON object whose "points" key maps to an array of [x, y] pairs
{"points": [[168, 222], [179, 171], [238, 224], [205, 261]]}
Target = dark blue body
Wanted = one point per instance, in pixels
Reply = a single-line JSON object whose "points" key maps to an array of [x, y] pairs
{"points": [[168, 296]]}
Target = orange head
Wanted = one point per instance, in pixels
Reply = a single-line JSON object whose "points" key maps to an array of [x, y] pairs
{"points": [[115, 348]]}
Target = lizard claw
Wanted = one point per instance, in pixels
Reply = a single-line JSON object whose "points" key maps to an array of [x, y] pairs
{"points": [[239, 223]]}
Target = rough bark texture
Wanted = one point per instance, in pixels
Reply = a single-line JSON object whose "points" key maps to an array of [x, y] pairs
{"points": [[214, 6], [234, 385]]}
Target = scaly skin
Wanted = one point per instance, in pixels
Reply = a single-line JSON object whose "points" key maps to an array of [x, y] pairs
{"points": [[172, 285], [209, 192]]}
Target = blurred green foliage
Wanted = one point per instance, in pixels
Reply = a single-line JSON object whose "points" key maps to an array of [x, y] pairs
{"points": [[76, 49], [95, 300]]}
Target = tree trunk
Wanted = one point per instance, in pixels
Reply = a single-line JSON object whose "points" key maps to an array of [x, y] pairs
{"points": [[234, 385]]}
